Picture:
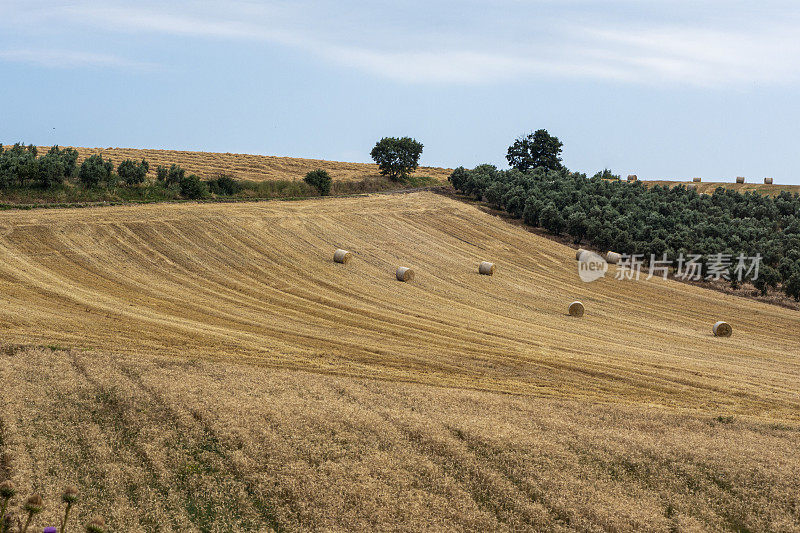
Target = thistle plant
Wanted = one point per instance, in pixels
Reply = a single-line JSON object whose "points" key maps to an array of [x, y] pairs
{"points": [[96, 525], [7, 491], [33, 506], [69, 497], [9, 521]]}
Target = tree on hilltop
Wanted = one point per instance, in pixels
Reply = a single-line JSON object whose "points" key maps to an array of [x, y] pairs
{"points": [[538, 149], [397, 157]]}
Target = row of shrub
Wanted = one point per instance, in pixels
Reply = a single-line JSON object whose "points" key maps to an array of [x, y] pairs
{"points": [[21, 166], [26, 177], [635, 219]]}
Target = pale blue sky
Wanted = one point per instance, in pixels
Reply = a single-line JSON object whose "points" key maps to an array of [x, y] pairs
{"points": [[664, 89]]}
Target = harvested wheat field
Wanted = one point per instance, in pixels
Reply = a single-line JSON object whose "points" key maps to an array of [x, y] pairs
{"points": [[751, 185], [212, 368], [246, 166]]}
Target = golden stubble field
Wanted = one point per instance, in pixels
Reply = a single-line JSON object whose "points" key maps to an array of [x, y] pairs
{"points": [[209, 165], [754, 186], [212, 368]]}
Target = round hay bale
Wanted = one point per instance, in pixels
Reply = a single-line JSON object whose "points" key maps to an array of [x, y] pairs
{"points": [[404, 274], [341, 256], [576, 309], [696, 180], [633, 177], [486, 268], [739, 179], [722, 329], [578, 254], [768, 181], [613, 258]]}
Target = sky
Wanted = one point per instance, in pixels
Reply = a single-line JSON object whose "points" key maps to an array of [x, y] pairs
{"points": [[665, 89]]}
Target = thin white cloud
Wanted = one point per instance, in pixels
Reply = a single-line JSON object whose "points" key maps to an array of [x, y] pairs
{"points": [[70, 59], [707, 56], [639, 42]]}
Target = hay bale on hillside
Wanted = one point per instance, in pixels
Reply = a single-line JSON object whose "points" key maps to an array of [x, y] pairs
{"points": [[633, 177], [739, 179], [341, 256], [613, 258], [696, 180], [404, 274], [486, 268], [576, 309], [578, 254], [768, 181], [722, 329], [691, 186]]}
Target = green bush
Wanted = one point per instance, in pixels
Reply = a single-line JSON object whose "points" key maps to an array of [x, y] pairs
{"points": [[191, 187], [170, 176], [68, 158], [606, 174], [397, 157], [320, 180], [551, 219], [161, 174], [133, 173], [18, 166], [224, 185], [50, 172], [95, 172]]}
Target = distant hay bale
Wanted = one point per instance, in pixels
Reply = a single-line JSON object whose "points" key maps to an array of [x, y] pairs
{"points": [[768, 181], [404, 274], [486, 268], [341, 256], [691, 186], [739, 179], [578, 253], [722, 329], [576, 309], [696, 180], [613, 258], [633, 177]]}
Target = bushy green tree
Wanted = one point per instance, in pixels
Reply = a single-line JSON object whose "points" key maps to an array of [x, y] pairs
{"points": [[551, 219], [397, 157], [133, 173], [224, 185], [161, 174], [51, 170], [68, 158], [320, 180], [192, 188], [458, 177], [606, 174], [576, 225], [96, 172], [18, 166], [791, 285], [768, 278], [538, 149], [171, 176]]}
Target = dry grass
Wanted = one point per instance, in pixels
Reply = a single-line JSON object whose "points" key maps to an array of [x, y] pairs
{"points": [[255, 283], [237, 379], [246, 166], [193, 444]]}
